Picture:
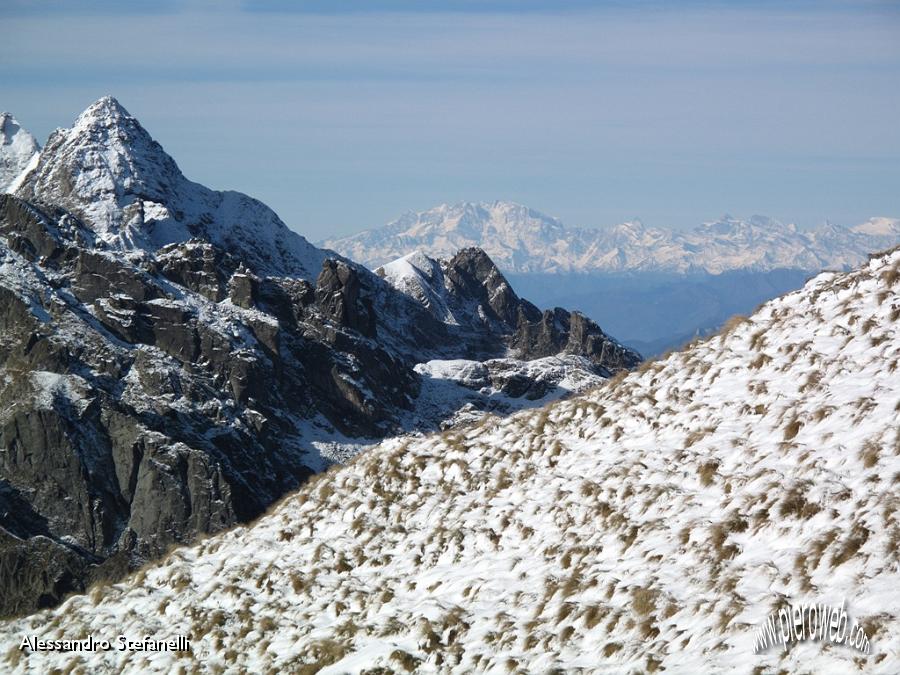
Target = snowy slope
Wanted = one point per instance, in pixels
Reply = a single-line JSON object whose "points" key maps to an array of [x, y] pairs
{"points": [[19, 153], [454, 392], [499, 386], [523, 240], [422, 279], [649, 525], [111, 173]]}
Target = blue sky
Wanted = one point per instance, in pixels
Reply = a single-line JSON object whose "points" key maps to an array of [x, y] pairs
{"points": [[342, 115]]}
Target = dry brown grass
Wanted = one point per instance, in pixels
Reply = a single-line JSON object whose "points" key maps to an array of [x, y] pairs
{"points": [[850, 545], [812, 380], [792, 429], [729, 326], [593, 615], [643, 600], [796, 505], [823, 412], [611, 648], [697, 435], [758, 340], [405, 660], [708, 472], [761, 360], [564, 611], [869, 454], [321, 653], [889, 276], [718, 535], [616, 379]]}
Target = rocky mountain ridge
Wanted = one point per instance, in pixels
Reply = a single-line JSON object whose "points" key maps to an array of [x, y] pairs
{"points": [[174, 359], [522, 240]]}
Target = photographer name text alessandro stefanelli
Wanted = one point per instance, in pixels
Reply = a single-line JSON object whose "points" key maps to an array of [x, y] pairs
{"points": [[179, 643]]}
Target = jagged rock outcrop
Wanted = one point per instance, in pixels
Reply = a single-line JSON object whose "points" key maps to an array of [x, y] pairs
{"points": [[338, 291], [559, 331], [469, 290], [205, 269], [472, 274], [174, 359]]}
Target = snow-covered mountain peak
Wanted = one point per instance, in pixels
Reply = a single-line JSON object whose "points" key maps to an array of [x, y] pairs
{"points": [[421, 278], [475, 217], [108, 170], [111, 173], [632, 229], [732, 226], [105, 111], [766, 221], [447, 287], [409, 265], [135, 160], [879, 226], [18, 152], [634, 224], [9, 127], [506, 230], [468, 289], [111, 153]]}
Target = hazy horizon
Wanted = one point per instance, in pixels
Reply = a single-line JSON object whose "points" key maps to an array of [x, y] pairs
{"points": [[341, 119]]}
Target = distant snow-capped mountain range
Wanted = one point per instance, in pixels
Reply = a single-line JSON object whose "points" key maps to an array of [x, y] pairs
{"points": [[522, 240]]}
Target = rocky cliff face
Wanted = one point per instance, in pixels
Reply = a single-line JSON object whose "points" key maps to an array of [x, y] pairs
{"points": [[174, 359], [468, 290]]}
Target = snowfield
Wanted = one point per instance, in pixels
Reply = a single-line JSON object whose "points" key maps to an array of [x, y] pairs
{"points": [[652, 524]]}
